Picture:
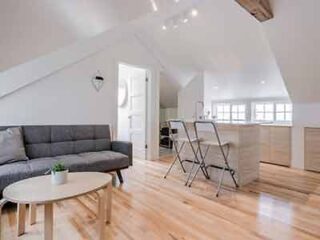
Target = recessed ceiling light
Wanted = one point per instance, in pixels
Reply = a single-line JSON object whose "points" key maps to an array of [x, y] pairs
{"points": [[175, 26], [194, 12], [262, 82], [154, 6], [164, 27], [177, 1], [185, 20]]}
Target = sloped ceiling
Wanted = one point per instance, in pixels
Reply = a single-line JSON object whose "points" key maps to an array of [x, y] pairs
{"points": [[30, 29], [294, 36], [227, 45], [224, 42]]}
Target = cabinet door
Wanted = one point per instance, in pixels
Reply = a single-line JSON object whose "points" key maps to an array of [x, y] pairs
{"points": [[312, 149], [280, 142], [264, 144]]}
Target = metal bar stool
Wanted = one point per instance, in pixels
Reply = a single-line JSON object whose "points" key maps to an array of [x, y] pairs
{"points": [[176, 139], [214, 143]]}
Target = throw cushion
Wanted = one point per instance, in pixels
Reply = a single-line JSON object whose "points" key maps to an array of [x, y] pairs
{"points": [[11, 146]]}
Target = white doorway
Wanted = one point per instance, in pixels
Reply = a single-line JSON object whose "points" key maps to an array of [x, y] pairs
{"points": [[132, 108]]}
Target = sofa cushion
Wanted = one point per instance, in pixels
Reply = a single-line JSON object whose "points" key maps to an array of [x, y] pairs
{"points": [[101, 131], [13, 172], [82, 146], [37, 134], [102, 144], [40, 166], [11, 146], [62, 148], [38, 150], [61, 133], [83, 132], [105, 161], [74, 163]]}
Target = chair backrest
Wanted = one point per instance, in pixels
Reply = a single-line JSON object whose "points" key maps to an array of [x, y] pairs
{"points": [[181, 128], [207, 127]]}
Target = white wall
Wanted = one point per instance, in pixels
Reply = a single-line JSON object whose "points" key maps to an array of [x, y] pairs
{"points": [[298, 57], [168, 92], [67, 96], [304, 115], [168, 113], [189, 95]]}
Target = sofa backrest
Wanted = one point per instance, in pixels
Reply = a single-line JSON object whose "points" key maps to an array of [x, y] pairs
{"points": [[50, 141]]}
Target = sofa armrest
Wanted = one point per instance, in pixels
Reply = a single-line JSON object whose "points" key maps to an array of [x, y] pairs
{"points": [[124, 148]]}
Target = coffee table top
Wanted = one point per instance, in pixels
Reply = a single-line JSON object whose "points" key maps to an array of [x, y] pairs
{"points": [[40, 189]]}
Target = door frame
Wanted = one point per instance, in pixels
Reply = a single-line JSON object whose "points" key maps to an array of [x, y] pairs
{"points": [[152, 108]]}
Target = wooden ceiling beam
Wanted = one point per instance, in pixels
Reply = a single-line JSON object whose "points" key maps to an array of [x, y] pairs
{"points": [[260, 9]]}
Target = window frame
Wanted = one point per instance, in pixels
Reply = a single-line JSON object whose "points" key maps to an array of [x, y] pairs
{"points": [[230, 104], [274, 112], [238, 112], [223, 112], [254, 111], [285, 112]]}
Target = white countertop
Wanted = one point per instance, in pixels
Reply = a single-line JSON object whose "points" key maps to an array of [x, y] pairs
{"points": [[246, 123], [242, 123]]}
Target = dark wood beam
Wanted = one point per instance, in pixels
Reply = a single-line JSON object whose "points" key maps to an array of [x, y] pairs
{"points": [[260, 9]]}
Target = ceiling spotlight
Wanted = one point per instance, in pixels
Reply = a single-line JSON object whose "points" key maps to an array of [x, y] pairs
{"points": [[262, 82], [185, 20], [194, 12], [164, 27], [177, 1], [154, 6]]}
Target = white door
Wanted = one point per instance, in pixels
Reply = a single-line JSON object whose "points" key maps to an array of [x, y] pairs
{"points": [[137, 111]]}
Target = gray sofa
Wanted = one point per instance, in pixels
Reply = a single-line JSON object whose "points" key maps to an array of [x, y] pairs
{"points": [[79, 147]]}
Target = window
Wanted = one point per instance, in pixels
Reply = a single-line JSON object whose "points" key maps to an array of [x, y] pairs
{"points": [[238, 112], [223, 111], [283, 112], [264, 111]]}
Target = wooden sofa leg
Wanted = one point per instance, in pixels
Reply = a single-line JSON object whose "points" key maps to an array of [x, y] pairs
{"points": [[120, 176]]}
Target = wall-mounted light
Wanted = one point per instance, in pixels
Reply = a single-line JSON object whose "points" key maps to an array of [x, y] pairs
{"points": [[97, 81], [194, 12]]}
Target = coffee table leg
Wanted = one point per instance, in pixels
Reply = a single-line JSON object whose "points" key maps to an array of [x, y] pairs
{"points": [[109, 202], [32, 213], [2, 203], [21, 218], [102, 213], [48, 221]]}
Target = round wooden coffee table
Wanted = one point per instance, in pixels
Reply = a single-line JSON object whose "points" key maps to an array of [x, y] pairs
{"points": [[39, 190]]}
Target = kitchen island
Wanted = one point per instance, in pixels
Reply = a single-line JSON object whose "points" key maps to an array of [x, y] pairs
{"points": [[244, 155]]}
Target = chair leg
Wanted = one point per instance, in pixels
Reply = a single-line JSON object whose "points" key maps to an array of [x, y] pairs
{"points": [[225, 156], [189, 175], [194, 176], [177, 157], [220, 182], [120, 176]]}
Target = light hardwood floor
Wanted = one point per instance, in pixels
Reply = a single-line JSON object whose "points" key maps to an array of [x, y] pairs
{"points": [[283, 204]]}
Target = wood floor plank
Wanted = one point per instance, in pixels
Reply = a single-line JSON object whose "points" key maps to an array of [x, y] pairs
{"points": [[283, 204]]}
